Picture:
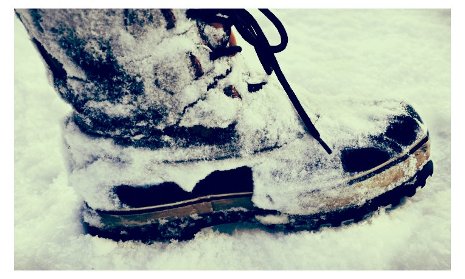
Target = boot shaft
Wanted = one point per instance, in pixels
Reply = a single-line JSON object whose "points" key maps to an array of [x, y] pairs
{"points": [[140, 77]]}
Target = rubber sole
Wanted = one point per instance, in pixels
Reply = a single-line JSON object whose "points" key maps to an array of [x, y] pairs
{"points": [[149, 227]]}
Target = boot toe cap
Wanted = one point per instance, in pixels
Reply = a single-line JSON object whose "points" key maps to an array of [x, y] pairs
{"points": [[402, 131]]}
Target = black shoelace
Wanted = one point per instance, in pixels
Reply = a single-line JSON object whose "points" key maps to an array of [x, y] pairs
{"points": [[250, 30]]}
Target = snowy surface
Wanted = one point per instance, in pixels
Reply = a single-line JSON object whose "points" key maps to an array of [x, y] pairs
{"points": [[390, 53]]}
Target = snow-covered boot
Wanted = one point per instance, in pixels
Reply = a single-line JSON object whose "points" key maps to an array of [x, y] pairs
{"points": [[172, 130]]}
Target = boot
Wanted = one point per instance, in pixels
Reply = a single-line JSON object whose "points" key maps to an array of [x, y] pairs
{"points": [[172, 131]]}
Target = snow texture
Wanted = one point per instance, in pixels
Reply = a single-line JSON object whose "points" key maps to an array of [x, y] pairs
{"points": [[332, 55]]}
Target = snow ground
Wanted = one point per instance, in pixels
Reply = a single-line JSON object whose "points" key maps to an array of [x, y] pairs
{"points": [[398, 53]]}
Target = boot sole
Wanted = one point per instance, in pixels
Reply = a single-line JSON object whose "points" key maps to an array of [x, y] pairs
{"points": [[182, 220]]}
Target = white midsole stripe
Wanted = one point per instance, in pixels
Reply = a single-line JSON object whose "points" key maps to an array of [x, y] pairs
{"points": [[183, 202]]}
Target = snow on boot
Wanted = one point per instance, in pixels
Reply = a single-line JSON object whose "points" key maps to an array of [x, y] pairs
{"points": [[172, 131]]}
